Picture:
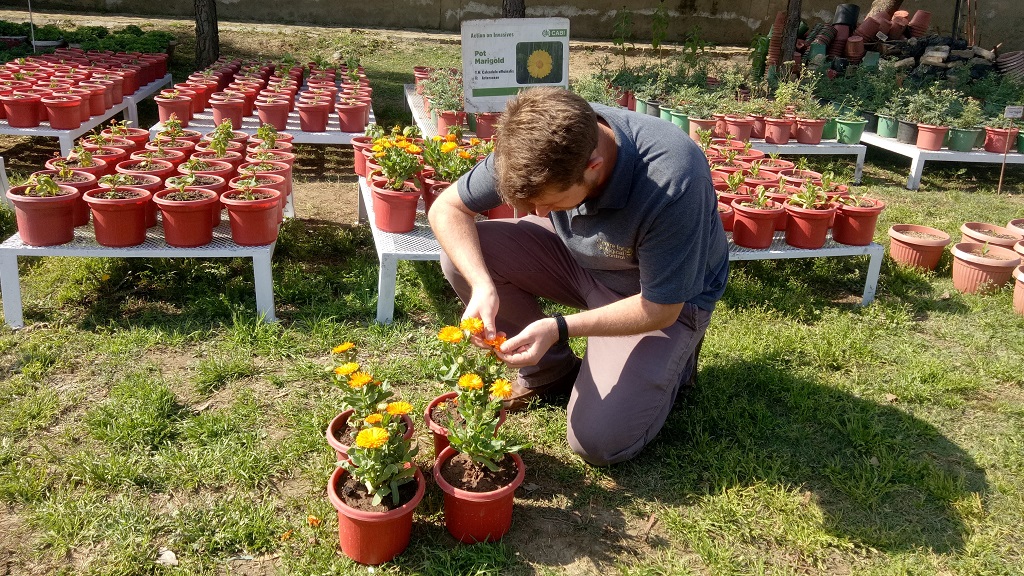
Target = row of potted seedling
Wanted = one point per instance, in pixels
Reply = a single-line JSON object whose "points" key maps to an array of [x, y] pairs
{"points": [[124, 180], [69, 87], [273, 94]]}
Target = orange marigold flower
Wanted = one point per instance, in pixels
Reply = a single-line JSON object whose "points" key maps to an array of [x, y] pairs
{"points": [[473, 325], [436, 138], [399, 408], [403, 143], [343, 347], [474, 141], [501, 389], [346, 368], [414, 149], [313, 521], [374, 418], [372, 438], [448, 147], [496, 342], [359, 379], [471, 382], [450, 138], [465, 155], [286, 536], [450, 334]]}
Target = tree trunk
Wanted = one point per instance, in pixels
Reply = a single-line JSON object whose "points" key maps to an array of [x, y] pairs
{"points": [[791, 30], [513, 8], [207, 36], [887, 6]]}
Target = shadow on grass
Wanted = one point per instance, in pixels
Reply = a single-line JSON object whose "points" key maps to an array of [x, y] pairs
{"points": [[881, 477]]}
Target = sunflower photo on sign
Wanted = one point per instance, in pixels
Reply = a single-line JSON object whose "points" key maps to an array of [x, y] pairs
{"points": [[538, 62]]}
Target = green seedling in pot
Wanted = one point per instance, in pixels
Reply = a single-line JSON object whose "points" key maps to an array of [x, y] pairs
{"points": [[43, 187]]}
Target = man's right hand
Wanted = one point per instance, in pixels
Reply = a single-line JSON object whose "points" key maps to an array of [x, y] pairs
{"points": [[483, 304]]}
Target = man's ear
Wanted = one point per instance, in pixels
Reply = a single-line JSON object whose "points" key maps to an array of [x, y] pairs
{"points": [[595, 162]]}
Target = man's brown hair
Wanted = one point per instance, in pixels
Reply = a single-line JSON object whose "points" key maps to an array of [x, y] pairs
{"points": [[544, 139]]}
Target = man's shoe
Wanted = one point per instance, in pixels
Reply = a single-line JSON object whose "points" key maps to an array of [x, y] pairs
{"points": [[521, 396]]}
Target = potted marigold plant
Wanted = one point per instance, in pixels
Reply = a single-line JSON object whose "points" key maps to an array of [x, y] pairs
{"points": [[395, 195], [361, 396], [376, 489], [480, 470], [448, 162]]}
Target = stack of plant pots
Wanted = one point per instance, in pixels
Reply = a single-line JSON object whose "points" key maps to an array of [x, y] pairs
{"points": [[775, 44]]}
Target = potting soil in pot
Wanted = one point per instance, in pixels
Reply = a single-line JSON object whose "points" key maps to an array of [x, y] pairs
{"points": [[353, 493], [462, 473]]}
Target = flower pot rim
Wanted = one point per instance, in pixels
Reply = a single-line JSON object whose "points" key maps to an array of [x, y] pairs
{"points": [[969, 229], [878, 206], [335, 424], [896, 232], [449, 453], [773, 212], [70, 193], [141, 196], [809, 213], [340, 506], [210, 197], [1018, 273], [240, 203], [962, 250]]}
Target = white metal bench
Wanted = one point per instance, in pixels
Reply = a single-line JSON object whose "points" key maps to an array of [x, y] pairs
{"points": [[129, 106], [918, 157], [84, 246], [420, 244]]}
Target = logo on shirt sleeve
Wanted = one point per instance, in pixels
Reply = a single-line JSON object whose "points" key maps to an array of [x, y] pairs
{"points": [[615, 251]]}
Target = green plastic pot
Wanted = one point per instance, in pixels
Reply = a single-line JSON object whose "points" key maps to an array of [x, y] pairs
{"points": [[887, 126], [679, 118], [1020, 142], [641, 106], [666, 113], [850, 131], [831, 130], [471, 121], [962, 139]]}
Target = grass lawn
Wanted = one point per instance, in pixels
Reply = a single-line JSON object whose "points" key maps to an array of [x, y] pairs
{"points": [[143, 407]]}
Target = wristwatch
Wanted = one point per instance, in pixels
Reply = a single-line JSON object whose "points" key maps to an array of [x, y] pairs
{"points": [[563, 328]]}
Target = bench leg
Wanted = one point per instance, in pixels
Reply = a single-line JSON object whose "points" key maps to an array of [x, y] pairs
{"points": [[131, 112], [916, 168], [860, 165], [66, 144], [871, 283], [386, 280], [361, 205], [289, 206], [10, 289], [264, 280]]}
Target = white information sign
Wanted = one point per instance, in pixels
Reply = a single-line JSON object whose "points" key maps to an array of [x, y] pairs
{"points": [[502, 56], [1013, 111]]}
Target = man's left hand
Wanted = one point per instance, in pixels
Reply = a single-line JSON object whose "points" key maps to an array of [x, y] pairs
{"points": [[527, 347]]}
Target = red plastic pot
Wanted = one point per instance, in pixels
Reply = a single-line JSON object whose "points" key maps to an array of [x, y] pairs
{"points": [[725, 214], [373, 537], [1000, 140], [186, 223], [739, 128], [99, 167], [807, 228], [395, 210], [22, 110], [111, 156], [486, 122], [63, 111], [178, 107], [253, 222], [313, 115], [44, 221], [918, 252], [351, 116], [149, 183], [477, 516], [97, 98], [175, 157], [808, 130], [159, 168], [754, 228], [274, 113], [359, 144], [855, 225], [339, 422], [448, 118], [87, 182], [272, 181], [230, 109], [119, 222], [439, 433]]}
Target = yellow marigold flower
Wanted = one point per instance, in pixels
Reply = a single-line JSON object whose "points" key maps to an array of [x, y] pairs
{"points": [[414, 149], [387, 144], [399, 408], [346, 368], [473, 325], [105, 277], [448, 147], [465, 155], [450, 334], [436, 138], [474, 141], [496, 342], [372, 438], [471, 382], [539, 64], [377, 148], [343, 347], [374, 418], [501, 389], [403, 143], [399, 138], [313, 521], [359, 379], [450, 138], [380, 155]]}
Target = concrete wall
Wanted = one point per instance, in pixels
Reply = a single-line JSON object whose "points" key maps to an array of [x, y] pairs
{"points": [[720, 21]]}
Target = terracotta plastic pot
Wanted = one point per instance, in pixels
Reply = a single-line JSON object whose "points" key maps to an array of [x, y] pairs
{"points": [[739, 128], [231, 109], [449, 118], [274, 113], [111, 156], [351, 116], [99, 167], [809, 130], [186, 224], [971, 232], [22, 111], [1018, 290], [855, 225], [438, 432], [432, 188], [908, 249], [86, 181], [149, 183], [808, 228], [931, 137], [697, 124], [119, 222], [359, 144], [486, 122], [477, 516], [777, 130], [725, 214], [159, 168], [1000, 140], [753, 228], [313, 115], [179, 107], [63, 111], [338, 423], [253, 222], [1016, 225], [975, 273], [373, 537], [44, 221], [394, 210]]}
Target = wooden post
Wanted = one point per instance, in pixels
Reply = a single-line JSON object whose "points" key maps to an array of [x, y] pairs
{"points": [[513, 8]]}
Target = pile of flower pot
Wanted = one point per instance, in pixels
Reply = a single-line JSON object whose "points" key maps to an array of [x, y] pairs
{"points": [[124, 182], [376, 486], [984, 260], [234, 90], [401, 168], [70, 86], [760, 195]]}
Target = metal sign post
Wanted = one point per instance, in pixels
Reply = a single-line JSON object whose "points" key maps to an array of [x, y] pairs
{"points": [[1009, 112]]}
